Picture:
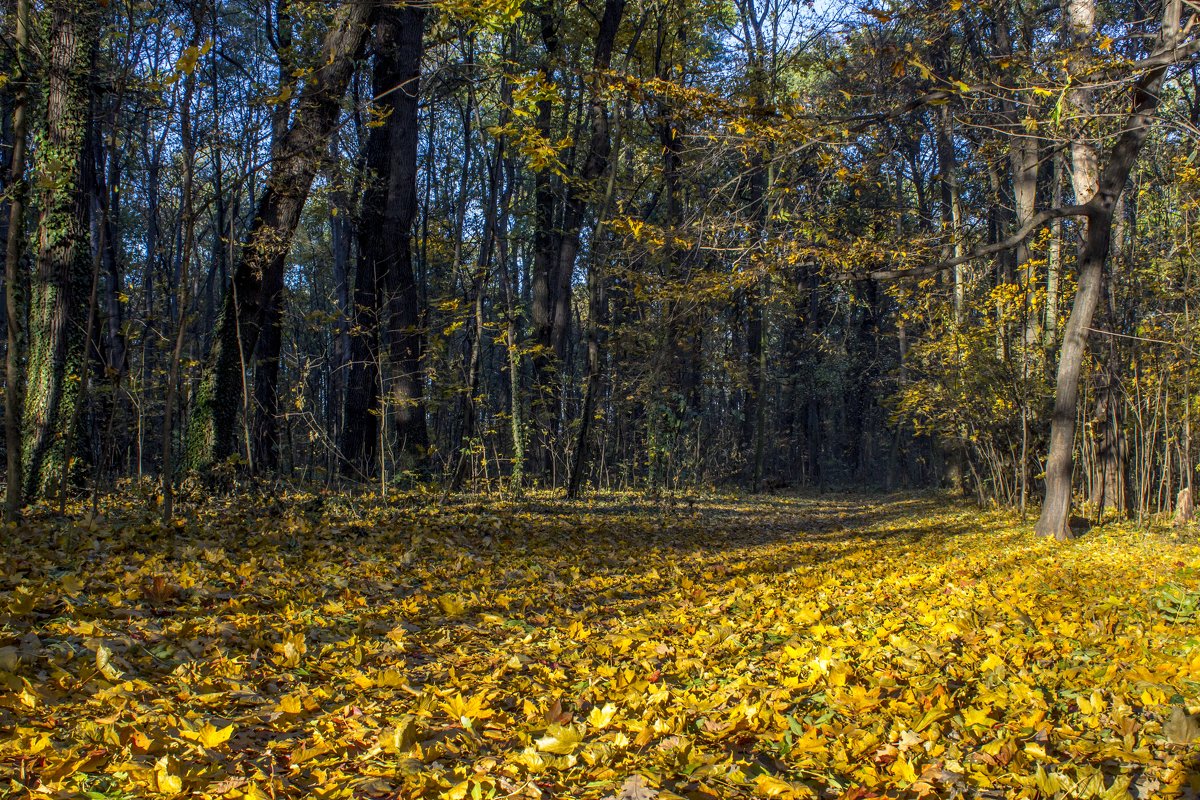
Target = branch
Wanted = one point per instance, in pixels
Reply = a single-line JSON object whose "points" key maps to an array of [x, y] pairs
{"points": [[1039, 220]]}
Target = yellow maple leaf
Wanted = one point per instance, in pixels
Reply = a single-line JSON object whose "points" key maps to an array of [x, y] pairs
{"points": [[164, 780], [601, 717], [977, 716], [561, 740], [811, 742], [208, 735], [467, 710], [903, 770]]}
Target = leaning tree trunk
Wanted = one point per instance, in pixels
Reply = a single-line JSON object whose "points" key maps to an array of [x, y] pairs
{"points": [[63, 274], [1056, 509], [258, 276]]}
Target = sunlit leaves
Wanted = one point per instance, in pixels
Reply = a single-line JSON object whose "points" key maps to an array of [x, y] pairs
{"points": [[780, 648]]}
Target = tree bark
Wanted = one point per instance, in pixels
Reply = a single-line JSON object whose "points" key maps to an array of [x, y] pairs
{"points": [[405, 339], [187, 206], [387, 340], [258, 276], [555, 251], [1056, 509], [544, 278], [63, 274], [17, 190]]}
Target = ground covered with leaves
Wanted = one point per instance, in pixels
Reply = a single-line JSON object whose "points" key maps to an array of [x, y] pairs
{"points": [[624, 648]]}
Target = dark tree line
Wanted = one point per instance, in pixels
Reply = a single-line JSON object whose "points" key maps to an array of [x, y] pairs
{"points": [[610, 244]]}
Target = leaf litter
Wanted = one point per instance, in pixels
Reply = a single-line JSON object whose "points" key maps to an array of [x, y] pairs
{"points": [[717, 647]]}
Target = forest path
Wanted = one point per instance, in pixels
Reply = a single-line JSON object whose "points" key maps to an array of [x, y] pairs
{"points": [[719, 647]]}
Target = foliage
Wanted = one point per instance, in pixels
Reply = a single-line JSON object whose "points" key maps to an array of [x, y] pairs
{"points": [[332, 646]]}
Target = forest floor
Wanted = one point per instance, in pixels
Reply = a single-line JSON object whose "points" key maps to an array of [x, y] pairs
{"points": [[718, 647]]}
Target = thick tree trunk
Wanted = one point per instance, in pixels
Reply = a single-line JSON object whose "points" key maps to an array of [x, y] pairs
{"points": [[187, 205], [360, 423], [17, 189], [258, 276], [387, 341], [265, 438], [63, 274], [402, 32]]}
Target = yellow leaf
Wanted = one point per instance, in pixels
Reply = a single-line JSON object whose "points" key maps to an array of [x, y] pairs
{"points": [[903, 770], [208, 735], [451, 605], [166, 782], [993, 661], [770, 786], [561, 740], [601, 717], [289, 704], [400, 738], [104, 664], [977, 716], [811, 742], [468, 710]]}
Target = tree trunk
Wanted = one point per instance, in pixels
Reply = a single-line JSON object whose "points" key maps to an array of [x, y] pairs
{"points": [[187, 206], [555, 251], [258, 276], [265, 437], [544, 278], [1056, 509], [401, 36], [17, 191], [63, 273]]}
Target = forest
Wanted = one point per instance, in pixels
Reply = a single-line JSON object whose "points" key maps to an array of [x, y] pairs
{"points": [[618, 399]]}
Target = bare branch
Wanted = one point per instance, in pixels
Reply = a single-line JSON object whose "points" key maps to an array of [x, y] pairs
{"points": [[1038, 221]]}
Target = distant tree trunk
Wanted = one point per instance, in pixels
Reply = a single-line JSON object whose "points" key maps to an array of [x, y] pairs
{"points": [[360, 423], [544, 278], [1110, 446], [341, 233], [475, 338], [258, 275], [63, 274], [17, 190], [555, 251], [1056, 508], [1053, 261], [183, 289]]}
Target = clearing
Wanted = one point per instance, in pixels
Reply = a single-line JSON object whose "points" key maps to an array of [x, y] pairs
{"points": [[711, 648]]}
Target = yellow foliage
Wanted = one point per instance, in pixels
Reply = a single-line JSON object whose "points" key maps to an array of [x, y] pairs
{"points": [[774, 648]]}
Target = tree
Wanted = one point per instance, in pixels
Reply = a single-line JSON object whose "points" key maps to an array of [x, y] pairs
{"points": [[1055, 519], [258, 275], [387, 341], [17, 190], [62, 276]]}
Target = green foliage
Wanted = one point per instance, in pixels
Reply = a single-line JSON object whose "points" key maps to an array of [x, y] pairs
{"points": [[1178, 604]]}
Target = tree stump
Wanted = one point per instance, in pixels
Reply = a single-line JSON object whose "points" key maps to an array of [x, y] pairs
{"points": [[1184, 510]]}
